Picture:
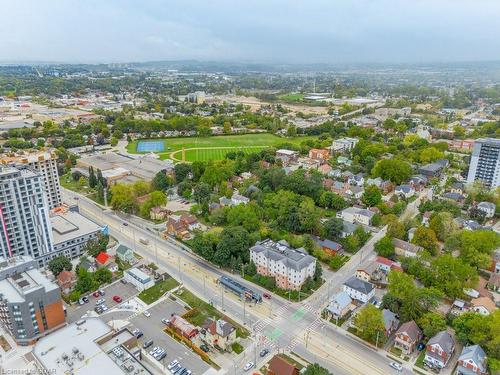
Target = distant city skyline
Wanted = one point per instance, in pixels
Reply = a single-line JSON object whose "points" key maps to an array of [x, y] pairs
{"points": [[279, 31]]}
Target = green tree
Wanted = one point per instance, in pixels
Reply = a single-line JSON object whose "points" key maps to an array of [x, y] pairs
{"points": [[332, 228], [185, 189], [432, 323], [203, 246], [161, 182], [182, 170], [201, 192], [371, 196], [155, 199], [426, 238], [234, 242], [245, 216], [395, 228], [58, 264], [103, 276], [395, 170], [443, 225], [123, 198], [476, 247], [384, 247], [370, 323], [92, 178], [451, 275], [315, 369]]}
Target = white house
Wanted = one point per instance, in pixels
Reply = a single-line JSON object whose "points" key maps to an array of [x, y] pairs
{"points": [[358, 289], [344, 144], [488, 208], [406, 191], [356, 215], [138, 278], [237, 199]]}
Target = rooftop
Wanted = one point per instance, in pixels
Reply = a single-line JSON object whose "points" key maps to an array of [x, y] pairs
{"points": [[69, 225], [282, 251]]}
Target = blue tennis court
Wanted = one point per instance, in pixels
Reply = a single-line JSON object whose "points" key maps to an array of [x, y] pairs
{"points": [[150, 146]]}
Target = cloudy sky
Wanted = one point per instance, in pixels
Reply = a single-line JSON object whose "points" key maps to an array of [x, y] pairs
{"points": [[280, 31]]}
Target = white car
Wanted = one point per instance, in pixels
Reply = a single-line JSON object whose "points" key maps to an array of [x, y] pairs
{"points": [[248, 366], [396, 366], [172, 364], [147, 314], [155, 349], [100, 301]]}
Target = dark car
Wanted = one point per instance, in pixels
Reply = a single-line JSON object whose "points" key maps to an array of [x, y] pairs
{"points": [[264, 352], [137, 333], [125, 224], [204, 348]]}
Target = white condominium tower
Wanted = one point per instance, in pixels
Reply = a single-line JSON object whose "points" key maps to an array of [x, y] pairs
{"points": [[25, 228], [44, 162], [485, 162]]}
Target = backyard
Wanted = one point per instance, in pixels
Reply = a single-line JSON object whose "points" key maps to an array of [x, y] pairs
{"points": [[159, 289]]}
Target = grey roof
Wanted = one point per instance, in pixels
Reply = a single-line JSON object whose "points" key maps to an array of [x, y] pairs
{"points": [[444, 340], [359, 285], [349, 227], [474, 353], [411, 329], [390, 319], [406, 245], [433, 167], [122, 250], [453, 196], [329, 244], [297, 259], [487, 205], [339, 302], [457, 185], [404, 188]]}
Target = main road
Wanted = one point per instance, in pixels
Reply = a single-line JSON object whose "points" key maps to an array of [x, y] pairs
{"points": [[276, 324]]}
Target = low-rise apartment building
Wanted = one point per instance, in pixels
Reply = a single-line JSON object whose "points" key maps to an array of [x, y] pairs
{"points": [[290, 267]]}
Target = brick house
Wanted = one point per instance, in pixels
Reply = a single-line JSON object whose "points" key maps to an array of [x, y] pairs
{"points": [[408, 337], [218, 333], [319, 154], [439, 350], [472, 361], [66, 281], [183, 327], [279, 366]]}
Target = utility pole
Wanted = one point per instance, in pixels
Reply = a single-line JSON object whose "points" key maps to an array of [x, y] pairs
{"points": [[244, 312], [222, 296], [106, 196], [179, 264], [156, 252], [307, 337], [376, 342]]}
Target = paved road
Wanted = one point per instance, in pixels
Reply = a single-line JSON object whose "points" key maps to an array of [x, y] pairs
{"points": [[277, 324]]}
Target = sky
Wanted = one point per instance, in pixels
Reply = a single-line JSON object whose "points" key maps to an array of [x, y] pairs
{"points": [[265, 31]]}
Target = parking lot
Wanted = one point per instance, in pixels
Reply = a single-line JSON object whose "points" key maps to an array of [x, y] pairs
{"points": [[152, 328], [125, 291]]}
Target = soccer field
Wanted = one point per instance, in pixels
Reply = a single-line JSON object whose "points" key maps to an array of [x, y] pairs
{"points": [[215, 147]]}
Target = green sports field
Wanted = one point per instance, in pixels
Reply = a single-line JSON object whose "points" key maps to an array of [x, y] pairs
{"points": [[216, 147]]}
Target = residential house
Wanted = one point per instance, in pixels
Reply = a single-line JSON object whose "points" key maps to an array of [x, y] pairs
{"points": [[472, 361], [483, 305], [348, 229], [354, 192], [103, 259], [88, 264], [356, 215], [339, 187], [357, 180], [343, 160], [125, 254], [439, 350], [391, 322], [319, 154], [181, 225], [218, 333], [237, 199], [426, 217], [329, 246], [66, 281], [434, 169], [159, 213], [387, 265], [418, 181], [488, 208], [363, 274], [280, 366], [494, 282], [325, 169], [287, 156], [407, 337], [335, 173], [406, 249], [112, 266], [359, 290], [340, 305], [183, 327], [374, 181], [453, 197], [405, 191], [457, 187]]}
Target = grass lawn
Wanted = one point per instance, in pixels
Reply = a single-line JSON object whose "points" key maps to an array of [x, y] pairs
{"points": [[70, 184], [220, 145], [159, 289], [292, 295], [205, 310], [292, 97], [420, 360], [237, 348]]}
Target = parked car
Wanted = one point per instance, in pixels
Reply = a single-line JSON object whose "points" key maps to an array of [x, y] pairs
{"points": [[264, 352], [125, 224], [179, 370], [85, 299], [267, 295], [123, 281], [100, 301], [137, 333], [159, 357], [165, 321], [154, 350], [173, 364], [117, 299], [396, 366], [104, 307], [248, 366], [147, 344], [176, 368], [96, 294], [205, 348], [147, 314], [101, 292]]}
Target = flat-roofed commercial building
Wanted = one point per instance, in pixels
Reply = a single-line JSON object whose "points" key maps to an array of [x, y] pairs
{"points": [[71, 231], [139, 278], [30, 304], [89, 347]]}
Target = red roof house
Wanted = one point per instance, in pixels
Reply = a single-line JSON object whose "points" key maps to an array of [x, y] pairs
{"points": [[102, 258]]}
